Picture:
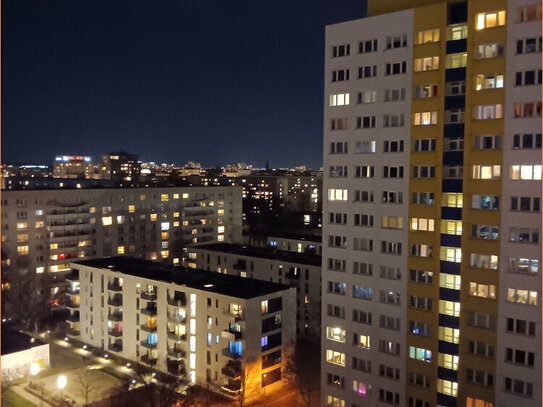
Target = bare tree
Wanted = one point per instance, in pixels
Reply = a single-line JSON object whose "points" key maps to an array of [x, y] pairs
{"points": [[302, 369], [87, 383], [159, 390], [30, 297]]}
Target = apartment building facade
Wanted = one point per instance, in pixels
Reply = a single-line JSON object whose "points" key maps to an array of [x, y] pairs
{"points": [[298, 270], [226, 331], [432, 205], [44, 230]]}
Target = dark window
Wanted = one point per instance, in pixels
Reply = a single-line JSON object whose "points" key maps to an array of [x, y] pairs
{"points": [[271, 377]]}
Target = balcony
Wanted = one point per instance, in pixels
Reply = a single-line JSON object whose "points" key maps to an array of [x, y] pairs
{"points": [[73, 332], [233, 387], [115, 301], [177, 302], [176, 353], [148, 360], [176, 319], [237, 334], [115, 333], [148, 345], [148, 328], [115, 347], [116, 317], [231, 355], [71, 304], [176, 337], [114, 287], [176, 367], [232, 369], [73, 276], [149, 311], [148, 296], [74, 317]]}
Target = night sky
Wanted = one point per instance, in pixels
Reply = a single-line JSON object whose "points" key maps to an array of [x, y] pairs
{"points": [[210, 81]]}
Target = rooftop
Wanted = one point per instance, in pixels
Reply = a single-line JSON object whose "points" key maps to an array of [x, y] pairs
{"points": [[265, 253], [15, 341], [229, 285]]}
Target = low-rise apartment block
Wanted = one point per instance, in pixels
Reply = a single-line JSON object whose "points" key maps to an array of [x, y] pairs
{"points": [[231, 332], [299, 270]]}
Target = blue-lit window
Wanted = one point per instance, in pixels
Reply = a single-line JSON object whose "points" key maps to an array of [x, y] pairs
{"points": [[365, 293], [209, 339], [264, 341], [151, 339], [235, 347]]}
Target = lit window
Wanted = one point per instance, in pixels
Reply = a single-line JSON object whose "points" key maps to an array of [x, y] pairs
{"points": [[447, 387], [22, 250], [334, 357], [451, 335], [153, 217], [422, 224], [424, 118], [449, 308], [489, 19], [120, 250], [426, 36], [40, 224], [526, 172], [448, 361], [22, 226], [337, 194], [482, 290], [452, 254], [165, 253], [335, 334], [40, 270], [488, 81], [421, 354], [176, 214], [220, 229], [165, 226], [488, 171], [131, 208], [450, 281], [426, 64], [458, 60], [185, 196], [340, 99], [120, 219], [451, 227], [361, 388], [164, 197], [107, 220]]}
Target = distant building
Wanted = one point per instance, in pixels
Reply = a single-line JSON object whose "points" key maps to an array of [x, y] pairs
{"points": [[43, 230], [298, 270], [120, 166], [213, 329], [73, 166]]}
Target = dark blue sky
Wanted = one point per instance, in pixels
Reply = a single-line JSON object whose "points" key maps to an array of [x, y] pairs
{"points": [[209, 81]]}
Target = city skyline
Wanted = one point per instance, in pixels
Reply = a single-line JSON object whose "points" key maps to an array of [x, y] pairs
{"points": [[90, 78]]}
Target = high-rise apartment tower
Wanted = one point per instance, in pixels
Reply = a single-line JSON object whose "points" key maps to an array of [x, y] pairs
{"points": [[432, 209]]}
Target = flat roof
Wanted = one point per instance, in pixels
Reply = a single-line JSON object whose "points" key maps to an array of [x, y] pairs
{"points": [[15, 341], [229, 285], [264, 253]]}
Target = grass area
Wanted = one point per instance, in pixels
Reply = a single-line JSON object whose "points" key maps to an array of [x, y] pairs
{"points": [[12, 399]]}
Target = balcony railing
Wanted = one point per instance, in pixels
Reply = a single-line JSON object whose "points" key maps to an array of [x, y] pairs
{"points": [[148, 311], [73, 317], [177, 302], [115, 317], [148, 296], [177, 337], [148, 360], [73, 332], [148, 345], [115, 347], [114, 287], [226, 352], [73, 276], [232, 369], [71, 304], [176, 319], [237, 334], [176, 369], [176, 353], [113, 332], [115, 301], [148, 328]]}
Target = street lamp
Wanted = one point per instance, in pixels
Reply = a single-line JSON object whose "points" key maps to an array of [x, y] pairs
{"points": [[61, 384], [34, 370]]}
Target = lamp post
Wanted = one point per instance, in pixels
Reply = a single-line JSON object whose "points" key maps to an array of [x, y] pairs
{"points": [[34, 370], [61, 384]]}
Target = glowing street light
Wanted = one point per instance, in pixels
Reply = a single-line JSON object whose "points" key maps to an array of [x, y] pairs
{"points": [[61, 384]]}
